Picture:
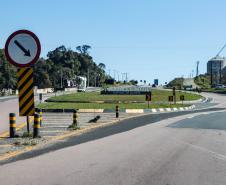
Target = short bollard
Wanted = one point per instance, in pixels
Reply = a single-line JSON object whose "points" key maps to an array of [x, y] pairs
{"points": [[40, 114], [75, 118], [12, 125], [36, 126], [117, 111]]}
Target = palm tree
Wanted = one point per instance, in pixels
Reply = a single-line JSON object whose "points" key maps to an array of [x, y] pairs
{"points": [[85, 49], [102, 66], [79, 48]]}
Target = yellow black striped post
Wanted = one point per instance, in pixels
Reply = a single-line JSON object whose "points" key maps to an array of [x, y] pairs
{"points": [[75, 118], [117, 111], [36, 126], [12, 125], [40, 114], [26, 91]]}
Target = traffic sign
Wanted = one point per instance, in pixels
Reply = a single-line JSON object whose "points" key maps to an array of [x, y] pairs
{"points": [[181, 97], [22, 48], [148, 96], [26, 91]]}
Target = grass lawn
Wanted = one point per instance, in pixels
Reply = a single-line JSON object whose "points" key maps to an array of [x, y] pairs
{"points": [[52, 105], [124, 101], [157, 96], [215, 90]]}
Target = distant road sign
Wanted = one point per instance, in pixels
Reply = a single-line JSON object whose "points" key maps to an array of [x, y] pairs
{"points": [[182, 97], [22, 48], [148, 96]]}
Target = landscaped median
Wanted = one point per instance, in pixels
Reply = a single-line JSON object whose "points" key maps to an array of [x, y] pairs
{"points": [[95, 100]]}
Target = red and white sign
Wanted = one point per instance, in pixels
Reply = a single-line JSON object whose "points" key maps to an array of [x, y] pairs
{"points": [[22, 48]]}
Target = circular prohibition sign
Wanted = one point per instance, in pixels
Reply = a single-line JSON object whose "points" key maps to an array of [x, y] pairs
{"points": [[22, 48]]}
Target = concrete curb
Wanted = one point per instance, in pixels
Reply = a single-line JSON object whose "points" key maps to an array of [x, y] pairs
{"points": [[122, 110]]}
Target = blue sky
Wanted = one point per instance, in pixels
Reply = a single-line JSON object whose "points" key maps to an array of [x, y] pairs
{"points": [[146, 38]]}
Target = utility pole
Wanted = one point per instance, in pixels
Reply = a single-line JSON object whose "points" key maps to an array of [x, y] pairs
{"points": [[95, 80], [88, 77], [114, 74], [220, 73], [126, 76], [122, 76], [117, 75], [61, 78], [109, 72], [197, 68]]}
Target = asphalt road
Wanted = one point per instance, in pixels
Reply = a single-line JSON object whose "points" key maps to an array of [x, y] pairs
{"points": [[152, 150], [203, 121], [148, 154]]}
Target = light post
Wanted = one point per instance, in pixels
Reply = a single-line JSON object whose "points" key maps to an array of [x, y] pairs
{"points": [[88, 77], [61, 79]]}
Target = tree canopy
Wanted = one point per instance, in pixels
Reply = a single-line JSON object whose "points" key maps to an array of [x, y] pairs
{"points": [[61, 64]]}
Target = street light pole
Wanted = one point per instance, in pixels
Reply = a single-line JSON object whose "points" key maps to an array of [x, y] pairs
{"points": [[61, 78], [88, 77]]}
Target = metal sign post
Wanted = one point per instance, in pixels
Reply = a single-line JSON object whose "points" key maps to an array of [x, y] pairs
{"points": [[22, 49], [40, 97], [170, 99], [148, 98], [174, 94], [182, 98]]}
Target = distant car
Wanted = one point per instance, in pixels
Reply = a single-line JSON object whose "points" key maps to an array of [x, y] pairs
{"points": [[220, 86]]}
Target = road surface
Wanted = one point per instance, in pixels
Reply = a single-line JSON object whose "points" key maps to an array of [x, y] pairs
{"points": [[166, 149]]}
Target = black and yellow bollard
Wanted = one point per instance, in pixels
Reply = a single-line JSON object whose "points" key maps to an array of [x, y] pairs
{"points": [[36, 126], [117, 111], [40, 114], [75, 118], [12, 125]]}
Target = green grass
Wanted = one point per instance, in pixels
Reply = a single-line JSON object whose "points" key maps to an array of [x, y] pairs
{"points": [[215, 90], [157, 95], [159, 99], [103, 106]]}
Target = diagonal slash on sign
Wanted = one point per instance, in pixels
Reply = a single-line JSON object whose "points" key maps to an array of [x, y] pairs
{"points": [[26, 52]]}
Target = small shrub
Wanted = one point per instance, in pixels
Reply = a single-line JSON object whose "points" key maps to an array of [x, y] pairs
{"points": [[94, 120], [26, 134], [73, 127]]}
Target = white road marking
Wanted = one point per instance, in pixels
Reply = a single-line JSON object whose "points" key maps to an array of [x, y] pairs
{"points": [[189, 117]]}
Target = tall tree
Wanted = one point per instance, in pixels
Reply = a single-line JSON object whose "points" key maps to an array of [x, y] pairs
{"points": [[83, 49], [102, 66], [8, 76]]}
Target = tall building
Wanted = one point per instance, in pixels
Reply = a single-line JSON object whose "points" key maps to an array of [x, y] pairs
{"points": [[215, 67]]}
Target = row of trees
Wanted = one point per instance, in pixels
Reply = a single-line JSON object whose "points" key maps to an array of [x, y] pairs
{"points": [[61, 64]]}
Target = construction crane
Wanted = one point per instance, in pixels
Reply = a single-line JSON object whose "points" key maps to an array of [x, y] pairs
{"points": [[220, 51]]}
